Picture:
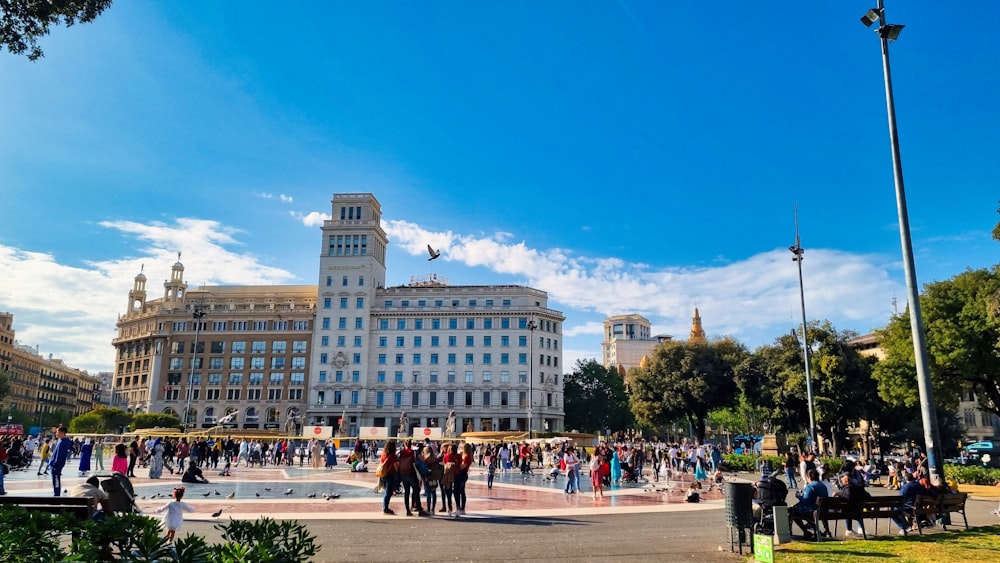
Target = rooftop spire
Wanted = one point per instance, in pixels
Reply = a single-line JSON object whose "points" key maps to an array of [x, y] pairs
{"points": [[697, 333]]}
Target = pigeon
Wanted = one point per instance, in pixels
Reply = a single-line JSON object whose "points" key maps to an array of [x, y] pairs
{"points": [[312, 495], [258, 494], [289, 491], [217, 493], [267, 488], [434, 253], [205, 494], [143, 497], [65, 491], [217, 513], [231, 495]]}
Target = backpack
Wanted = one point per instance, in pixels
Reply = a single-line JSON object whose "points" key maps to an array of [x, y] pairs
{"points": [[448, 477], [436, 473]]}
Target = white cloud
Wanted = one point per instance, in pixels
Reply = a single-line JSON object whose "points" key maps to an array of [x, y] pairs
{"points": [[70, 311], [593, 327], [755, 299], [285, 198], [264, 195], [311, 219]]}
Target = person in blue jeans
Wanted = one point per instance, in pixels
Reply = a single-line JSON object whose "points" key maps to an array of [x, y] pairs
{"points": [[60, 455], [909, 491], [572, 470], [802, 513], [790, 465]]}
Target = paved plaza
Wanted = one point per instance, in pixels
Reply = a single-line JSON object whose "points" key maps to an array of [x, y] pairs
{"points": [[520, 518]]}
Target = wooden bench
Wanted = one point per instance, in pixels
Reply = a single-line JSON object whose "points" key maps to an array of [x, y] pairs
{"points": [[836, 509], [939, 508], [882, 507], [81, 507]]}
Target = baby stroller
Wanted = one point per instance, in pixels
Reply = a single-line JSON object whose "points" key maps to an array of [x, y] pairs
{"points": [[771, 492], [629, 474], [120, 493]]}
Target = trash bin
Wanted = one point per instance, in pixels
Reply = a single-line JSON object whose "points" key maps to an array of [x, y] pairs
{"points": [[739, 513]]}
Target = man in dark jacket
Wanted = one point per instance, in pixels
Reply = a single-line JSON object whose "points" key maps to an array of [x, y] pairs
{"points": [[58, 459]]}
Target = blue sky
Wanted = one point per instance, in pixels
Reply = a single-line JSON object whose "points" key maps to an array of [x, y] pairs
{"points": [[625, 156]]}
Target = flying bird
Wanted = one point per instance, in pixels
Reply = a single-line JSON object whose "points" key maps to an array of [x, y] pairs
{"points": [[217, 513], [231, 495], [289, 491], [434, 253]]}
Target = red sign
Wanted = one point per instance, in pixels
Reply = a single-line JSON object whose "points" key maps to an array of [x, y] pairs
{"points": [[373, 431], [427, 431], [317, 430]]}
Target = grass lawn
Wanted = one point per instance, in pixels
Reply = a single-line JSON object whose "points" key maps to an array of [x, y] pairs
{"points": [[976, 544]]}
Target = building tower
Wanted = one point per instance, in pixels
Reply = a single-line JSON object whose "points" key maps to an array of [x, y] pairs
{"points": [[137, 297], [627, 339], [351, 270], [697, 333], [174, 288]]}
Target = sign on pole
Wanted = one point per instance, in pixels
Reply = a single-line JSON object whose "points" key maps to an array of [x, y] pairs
{"points": [[431, 433], [763, 548], [373, 433]]}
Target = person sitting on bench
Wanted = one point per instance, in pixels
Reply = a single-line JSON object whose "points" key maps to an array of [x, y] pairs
{"points": [[802, 512], [91, 488], [193, 475]]}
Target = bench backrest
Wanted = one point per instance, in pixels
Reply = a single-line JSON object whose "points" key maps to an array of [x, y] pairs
{"points": [[953, 502], [836, 508], [82, 506]]}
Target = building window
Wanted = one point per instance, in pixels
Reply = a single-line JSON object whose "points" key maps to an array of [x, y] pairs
{"points": [[360, 303], [451, 377], [434, 377], [415, 398], [504, 377], [487, 376], [381, 377], [486, 398], [233, 394], [256, 378], [504, 399], [298, 346], [469, 377], [359, 323], [342, 323], [397, 398], [239, 347], [469, 358], [487, 358], [277, 378], [468, 398], [470, 341], [398, 377], [380, 398], [272, 394]]}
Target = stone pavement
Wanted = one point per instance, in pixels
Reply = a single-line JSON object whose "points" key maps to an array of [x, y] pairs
{"points": [[520, 518]]}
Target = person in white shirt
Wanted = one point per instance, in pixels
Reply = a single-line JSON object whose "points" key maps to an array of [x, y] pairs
{"points": [[175, 509]]}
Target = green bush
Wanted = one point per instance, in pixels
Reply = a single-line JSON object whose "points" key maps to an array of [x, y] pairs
{"points": [[972, 474], [38, 537]]}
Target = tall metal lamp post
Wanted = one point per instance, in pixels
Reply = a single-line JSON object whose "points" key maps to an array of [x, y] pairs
{"points": [[197, 314], [532, 325], [798, 251], [890, 32]]}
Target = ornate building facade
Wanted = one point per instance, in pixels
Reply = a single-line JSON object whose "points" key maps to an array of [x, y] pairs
{"points": [[492, 354], [45, 388], [346, 351]]}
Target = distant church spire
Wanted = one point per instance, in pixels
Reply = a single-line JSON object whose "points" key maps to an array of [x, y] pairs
{"points": [[697, 333]]}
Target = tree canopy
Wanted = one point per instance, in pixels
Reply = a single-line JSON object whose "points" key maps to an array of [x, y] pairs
{"points": [[24, 22], [685, 380], [595, 399], [962, 332], [101, 420]]}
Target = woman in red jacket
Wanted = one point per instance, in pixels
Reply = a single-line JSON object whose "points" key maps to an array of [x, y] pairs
{"points": [[389, 472], [461, 478]]}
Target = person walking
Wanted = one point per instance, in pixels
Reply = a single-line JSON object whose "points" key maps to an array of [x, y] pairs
{"points": [[389, 472], [86, 450], [596, 479], [57, 461], [175, 509], [99, 455], [572, 466], [45, 453], [133, 456], [462, 477], [119, 463]]}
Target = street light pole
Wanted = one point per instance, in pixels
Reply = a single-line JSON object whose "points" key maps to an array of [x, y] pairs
{"points": [[531, 373], [197, 314], [928, 414], [798, 251]]}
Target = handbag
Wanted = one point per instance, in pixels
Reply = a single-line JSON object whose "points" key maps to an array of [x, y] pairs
{"points": [[380, 470]]}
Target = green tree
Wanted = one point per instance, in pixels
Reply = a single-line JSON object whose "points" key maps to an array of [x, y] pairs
{"points": [[4, 385], [595, 398], [155, 420], [685, 380], [101, 420], [744, 417], [24, 22], [841, 379], [962, 332]]}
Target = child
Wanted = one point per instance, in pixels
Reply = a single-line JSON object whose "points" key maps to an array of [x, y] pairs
{"points": [[491, 471], [175, 510], [226, 470], [693, 494]]}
